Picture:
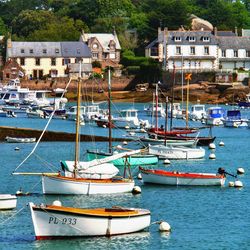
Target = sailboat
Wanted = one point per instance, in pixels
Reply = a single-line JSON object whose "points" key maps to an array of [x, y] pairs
{"points": [[172, 152], [77, 182], [132, 160]]}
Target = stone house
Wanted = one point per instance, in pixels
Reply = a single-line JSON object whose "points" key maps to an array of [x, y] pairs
{"points": [[12, 70]]}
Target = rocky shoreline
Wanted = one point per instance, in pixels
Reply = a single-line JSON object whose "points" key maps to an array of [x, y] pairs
{"points": [[123, 91]]}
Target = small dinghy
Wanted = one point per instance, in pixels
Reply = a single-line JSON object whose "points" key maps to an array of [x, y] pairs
{"points": [[7, 201], [176, 178], [56, 221], [20, 139]]}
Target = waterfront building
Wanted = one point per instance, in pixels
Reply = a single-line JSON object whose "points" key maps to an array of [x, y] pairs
{"points": [[200, 50], [39, 59]]}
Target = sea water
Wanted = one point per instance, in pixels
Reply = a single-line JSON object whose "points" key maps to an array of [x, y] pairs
{"points": [[200, 217]]}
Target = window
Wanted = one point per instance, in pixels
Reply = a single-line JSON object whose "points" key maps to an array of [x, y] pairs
{"points": [[31, 51], [192, 50], [223, 53], [248, 53], [22, 51], [44, 51], [78, 51], [205, 39], [95, 46], [178, 50], [191, 39], [57, 51], [37, 61], [177, 38], [206, 50], [95, 55], [22, 61], [53, 61], [66, 61], [235, 53]]}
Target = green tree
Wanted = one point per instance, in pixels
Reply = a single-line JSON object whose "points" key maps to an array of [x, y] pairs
{"points": [[3, 28]]}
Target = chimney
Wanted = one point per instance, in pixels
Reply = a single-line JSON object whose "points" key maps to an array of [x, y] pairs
{"points": [[236, 31], [9, 43], [215, 31], [159, 32]]}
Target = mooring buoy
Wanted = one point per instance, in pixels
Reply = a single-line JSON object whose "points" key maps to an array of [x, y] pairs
{"points": [[240, 171], [164, 227], [136, 190]]}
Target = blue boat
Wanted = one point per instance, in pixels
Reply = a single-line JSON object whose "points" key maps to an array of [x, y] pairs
{"points": [[234, 119], [133, 160], [215, 116]]}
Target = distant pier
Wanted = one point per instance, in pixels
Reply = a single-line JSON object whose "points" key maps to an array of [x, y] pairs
{"points": [[48, 135]]}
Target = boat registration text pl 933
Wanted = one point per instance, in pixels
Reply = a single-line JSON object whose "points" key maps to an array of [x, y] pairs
{"points": [[63, 221]]}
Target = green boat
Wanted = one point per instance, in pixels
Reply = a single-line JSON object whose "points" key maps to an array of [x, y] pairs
{"points": [[133, 160]]}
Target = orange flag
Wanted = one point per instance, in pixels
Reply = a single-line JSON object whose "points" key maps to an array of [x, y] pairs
{"points": [[188, 76]]}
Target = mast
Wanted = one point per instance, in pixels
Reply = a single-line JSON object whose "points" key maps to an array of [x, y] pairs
{"points": [[188, 78], [78, 120], [172, 100], [166, 122], [156, 106], [109, 117]]}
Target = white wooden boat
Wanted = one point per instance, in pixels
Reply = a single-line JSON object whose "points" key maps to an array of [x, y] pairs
{"points": [[177, 111], [7, 201], [176, 178], [20, 139], [127, 118], [177, 153], [198, 112], [51, 221]]}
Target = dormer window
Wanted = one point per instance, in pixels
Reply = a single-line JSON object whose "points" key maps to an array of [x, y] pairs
{"points": [[177, 39], [22, 51], [191, 39], [95, 46], [31, 51], [57, 51], [78, 51], [205, 39], [44, 51]]}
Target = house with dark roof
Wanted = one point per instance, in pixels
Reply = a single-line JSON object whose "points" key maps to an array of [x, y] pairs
{"points": [[38, 59], [200, 50], [105, 48]]}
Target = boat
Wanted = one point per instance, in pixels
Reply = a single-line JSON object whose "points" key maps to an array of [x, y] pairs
{"points": [[20, 139], [57, 107], [198, 112], [75, 184], [36, 112], [7, 201], [175, 111], [245, 103], [176, 178], [133, 160], [171, 142], [151, 109], [7, 113], [215, 116], [56, 221], [176, 153], [72, 112], [234, 119]]}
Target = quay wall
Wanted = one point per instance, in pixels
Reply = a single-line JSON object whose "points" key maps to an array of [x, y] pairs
{"points": [[48, 135]]}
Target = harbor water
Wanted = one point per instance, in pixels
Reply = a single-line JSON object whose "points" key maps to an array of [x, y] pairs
{"points": [[200, 217]]}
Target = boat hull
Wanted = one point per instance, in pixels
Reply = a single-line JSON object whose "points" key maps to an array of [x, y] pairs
{"points": [[7, 201], [182, 179], [235, 123], [177, 153], [133, 160], [61, 223], [67, 185]]}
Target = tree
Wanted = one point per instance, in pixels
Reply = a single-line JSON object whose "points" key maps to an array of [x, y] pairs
{"points": [[3, 28]]}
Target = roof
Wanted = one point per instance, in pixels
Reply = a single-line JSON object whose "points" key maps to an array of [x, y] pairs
{"points": [[236, 42], [184, 35], [49, 49], [225, 33], [74, 67], [104, 39]]}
